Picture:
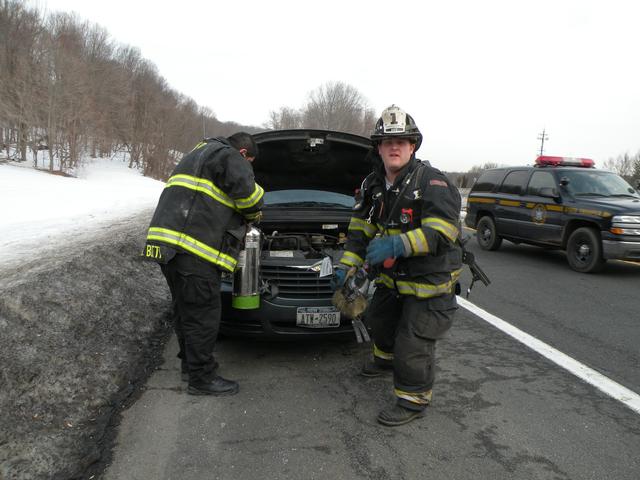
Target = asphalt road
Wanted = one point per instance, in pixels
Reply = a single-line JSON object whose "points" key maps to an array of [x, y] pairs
{"points": [[500, 410], [594, 318]]}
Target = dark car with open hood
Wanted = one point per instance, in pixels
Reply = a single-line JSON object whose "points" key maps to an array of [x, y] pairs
{"points": [[282, 286]]}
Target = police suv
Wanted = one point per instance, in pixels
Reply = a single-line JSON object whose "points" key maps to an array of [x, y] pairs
{"points": [[564, 203]]}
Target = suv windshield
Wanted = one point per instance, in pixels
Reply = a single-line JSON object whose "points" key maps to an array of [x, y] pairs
{"points": [[599, 183], [307, 198]]}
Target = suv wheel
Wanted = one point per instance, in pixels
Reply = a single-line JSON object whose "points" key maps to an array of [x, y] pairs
{"points": [[584, 251], [487, 235]]}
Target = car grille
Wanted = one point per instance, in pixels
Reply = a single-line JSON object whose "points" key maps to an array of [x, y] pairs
{"points": [[297, 282]]}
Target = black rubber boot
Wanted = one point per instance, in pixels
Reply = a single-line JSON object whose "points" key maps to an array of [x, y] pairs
{"points": [[373, 369], [397, 415], [217, 387]]}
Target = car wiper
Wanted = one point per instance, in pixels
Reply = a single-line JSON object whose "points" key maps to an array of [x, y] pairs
{"points": [[591, 194], [624, 195]]}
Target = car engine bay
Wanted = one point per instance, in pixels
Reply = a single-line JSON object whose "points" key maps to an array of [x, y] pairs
{"points": [[302, 245]]}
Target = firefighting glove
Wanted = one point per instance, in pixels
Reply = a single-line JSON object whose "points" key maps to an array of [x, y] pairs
{"points": [[339, 277], [385, 247]]}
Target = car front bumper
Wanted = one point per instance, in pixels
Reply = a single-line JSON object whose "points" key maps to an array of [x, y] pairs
{"points": [[276, 318], [617, 250]]}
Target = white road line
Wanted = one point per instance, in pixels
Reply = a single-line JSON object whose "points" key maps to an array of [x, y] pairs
{"points": [[605, 384]]}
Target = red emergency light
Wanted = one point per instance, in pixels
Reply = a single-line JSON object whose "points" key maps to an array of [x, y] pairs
{"points": [[548, 161]]}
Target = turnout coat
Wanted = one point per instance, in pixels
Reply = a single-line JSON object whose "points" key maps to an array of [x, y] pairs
{"points": [[426, 216], [204, 207]]}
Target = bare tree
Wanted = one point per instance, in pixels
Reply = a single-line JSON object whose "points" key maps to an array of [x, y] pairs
{"points": [[285, 118], [338, 106], [623, 165], [69, 96], [636, 171], [104, 91], [20, 30]]}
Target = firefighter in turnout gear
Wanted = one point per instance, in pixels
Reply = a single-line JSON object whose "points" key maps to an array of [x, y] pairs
{"points": [[405, 225], [197, 232]]}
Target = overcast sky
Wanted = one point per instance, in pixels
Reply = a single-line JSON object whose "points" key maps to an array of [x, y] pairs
{"points": [[482, 78]]}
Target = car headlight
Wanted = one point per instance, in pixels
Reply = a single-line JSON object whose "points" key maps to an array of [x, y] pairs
{"points": [[626, 219], [625, 225]]}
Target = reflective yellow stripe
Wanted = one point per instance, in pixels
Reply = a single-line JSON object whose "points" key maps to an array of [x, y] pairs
{"points": [[201, 144], [388, 231], [418, 241], [420, 290], [357, 224], [421, 398], [351, 259], [201, 185], [194, 246], [251, 200], [381, 354], [447, 229]]}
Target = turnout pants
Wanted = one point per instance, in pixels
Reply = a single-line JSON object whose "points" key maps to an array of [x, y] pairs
{"points": [[404, 331], [195, 292]]}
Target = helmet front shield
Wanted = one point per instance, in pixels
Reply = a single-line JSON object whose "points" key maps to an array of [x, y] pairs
{"points": [[396, 123]]}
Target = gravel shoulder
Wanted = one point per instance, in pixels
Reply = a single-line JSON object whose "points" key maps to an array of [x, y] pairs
{"points": [[82, 323]]}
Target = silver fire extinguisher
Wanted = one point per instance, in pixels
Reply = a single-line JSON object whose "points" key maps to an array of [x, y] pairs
{"points": [[246, 287]]}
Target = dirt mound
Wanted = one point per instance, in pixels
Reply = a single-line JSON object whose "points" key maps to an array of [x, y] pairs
{"points": [[79, 330]]}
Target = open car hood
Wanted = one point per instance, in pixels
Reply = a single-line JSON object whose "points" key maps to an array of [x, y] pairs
{"points": [[311, 159]]}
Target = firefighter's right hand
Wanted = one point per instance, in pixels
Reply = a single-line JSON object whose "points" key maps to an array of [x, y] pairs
{"points": [[339, 277]]}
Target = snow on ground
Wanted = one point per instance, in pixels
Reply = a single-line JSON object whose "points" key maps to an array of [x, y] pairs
{"points": [[39, 210], [82, 320]]}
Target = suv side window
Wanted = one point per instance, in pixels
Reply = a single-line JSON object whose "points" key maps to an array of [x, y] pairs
{"points": [[540, 180], [488, 180], [514, 182]]}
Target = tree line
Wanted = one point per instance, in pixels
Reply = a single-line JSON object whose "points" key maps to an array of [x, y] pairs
{"points": [[627, 166], [66, 86]]}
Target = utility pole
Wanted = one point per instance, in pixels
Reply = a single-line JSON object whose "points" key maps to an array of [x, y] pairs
{"points": [[542, 137], [204, 130]]}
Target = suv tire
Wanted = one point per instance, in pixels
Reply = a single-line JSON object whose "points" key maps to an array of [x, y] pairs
{"points": [[584, 251], [487, 235]]}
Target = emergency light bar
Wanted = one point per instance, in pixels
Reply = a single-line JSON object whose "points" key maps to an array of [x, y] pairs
{"points": [[544, 160]]}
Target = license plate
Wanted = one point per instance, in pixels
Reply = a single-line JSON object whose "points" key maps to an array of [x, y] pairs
{"points": [[317, 317]]}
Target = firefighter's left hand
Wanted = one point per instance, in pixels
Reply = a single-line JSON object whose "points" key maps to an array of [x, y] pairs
{"points": [[254, 217], [385, 247]]}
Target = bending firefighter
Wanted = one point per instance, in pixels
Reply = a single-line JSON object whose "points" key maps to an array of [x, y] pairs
{"points": [[405, 225], [197, 232]]}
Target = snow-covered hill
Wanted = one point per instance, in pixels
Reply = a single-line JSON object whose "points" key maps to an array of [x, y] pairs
{"points": [[41, 210]]}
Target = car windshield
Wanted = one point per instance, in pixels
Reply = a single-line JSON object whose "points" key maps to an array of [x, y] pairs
{"points": [[597, 183], [307, 199]]}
